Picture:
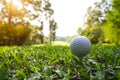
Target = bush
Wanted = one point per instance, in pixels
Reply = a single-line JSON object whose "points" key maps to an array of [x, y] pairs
{"points": [[13, 35], [94, 33]]}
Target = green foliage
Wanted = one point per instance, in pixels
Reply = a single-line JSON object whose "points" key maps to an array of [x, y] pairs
{"points": [[48, 62], [30, 11], [112, 27], [96, 34], [93, 33], [52, 28], [95, 19], [96, 15], [3, 72], [111, 34], [13, 35]]}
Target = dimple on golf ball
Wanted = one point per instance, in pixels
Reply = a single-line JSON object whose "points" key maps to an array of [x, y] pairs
{"points": [[80, 46]]}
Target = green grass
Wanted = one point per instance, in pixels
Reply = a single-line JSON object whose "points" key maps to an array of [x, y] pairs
{"points": [[57, 63]]}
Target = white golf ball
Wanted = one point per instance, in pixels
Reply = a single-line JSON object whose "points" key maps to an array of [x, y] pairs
{"points": [[80, 46]]}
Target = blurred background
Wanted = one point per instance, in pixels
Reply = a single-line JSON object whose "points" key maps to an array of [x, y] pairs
{"points": [[29, 22]]}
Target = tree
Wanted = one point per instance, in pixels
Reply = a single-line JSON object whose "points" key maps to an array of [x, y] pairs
{"points": [[9, 11], [52, 28], [48, 19], [16, 14], [12, 33], [32, 10], [112, 26], [52, 23], [94, 20], [96, 15]]}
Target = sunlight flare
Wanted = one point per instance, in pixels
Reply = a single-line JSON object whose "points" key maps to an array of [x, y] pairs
{"points": [[16, 3]]}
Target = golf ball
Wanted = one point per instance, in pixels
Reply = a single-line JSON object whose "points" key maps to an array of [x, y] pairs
{"points": [[80, 46]]}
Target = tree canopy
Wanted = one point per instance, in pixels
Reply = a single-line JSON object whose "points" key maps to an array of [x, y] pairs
{"points": [[28, 13], [112, 26], [102, 22]]}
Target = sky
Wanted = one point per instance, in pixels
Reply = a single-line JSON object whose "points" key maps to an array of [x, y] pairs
{"points": [[69, 15]]}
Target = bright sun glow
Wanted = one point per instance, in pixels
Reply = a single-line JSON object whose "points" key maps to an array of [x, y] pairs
{"points": [[16, 3], [69, 15]]}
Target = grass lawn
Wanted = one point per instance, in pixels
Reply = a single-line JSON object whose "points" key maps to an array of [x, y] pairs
{"points": [[56, 62]]}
